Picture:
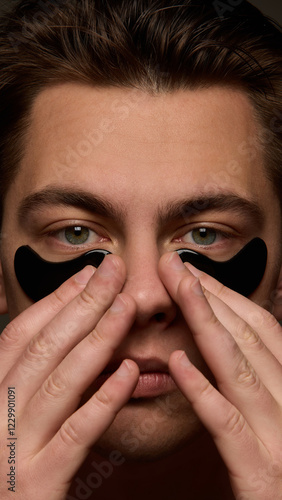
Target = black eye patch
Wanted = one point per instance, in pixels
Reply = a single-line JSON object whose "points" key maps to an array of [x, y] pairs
{"points": [[39, 277], [243, 273]]}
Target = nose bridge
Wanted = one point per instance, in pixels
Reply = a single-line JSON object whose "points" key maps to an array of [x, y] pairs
{"points": [[143, 282]]}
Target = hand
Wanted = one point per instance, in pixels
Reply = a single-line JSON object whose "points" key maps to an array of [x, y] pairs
{"points": [[242, 345], [51, 353]]}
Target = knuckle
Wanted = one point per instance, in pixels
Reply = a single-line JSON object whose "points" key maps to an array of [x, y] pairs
{"points": [[86, 299], [102, 399], [246, 376], [96, 337], [57, 299], [53, 387], [36, 348], [246, 334], [40, 348], [69, 433], [98, 303], [262, 317], [235, 423], [206, 390], [269, 320], [10, 335]]}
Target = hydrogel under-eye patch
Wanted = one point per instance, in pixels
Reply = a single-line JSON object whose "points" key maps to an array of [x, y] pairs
{"points": [[242, 273]]}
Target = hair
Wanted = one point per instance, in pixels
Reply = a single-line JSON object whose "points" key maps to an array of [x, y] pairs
{"points": [[154, 45]]}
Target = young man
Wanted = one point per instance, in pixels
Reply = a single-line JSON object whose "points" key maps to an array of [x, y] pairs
{"points": [[141, 128]]}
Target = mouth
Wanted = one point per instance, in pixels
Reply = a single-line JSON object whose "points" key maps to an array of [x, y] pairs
{"points": [[154, 379]]}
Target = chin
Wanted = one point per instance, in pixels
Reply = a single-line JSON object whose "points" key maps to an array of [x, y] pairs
{"points": [[148, 429]]}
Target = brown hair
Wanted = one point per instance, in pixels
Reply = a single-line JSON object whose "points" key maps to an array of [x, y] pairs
{"points": [[155, 45]]}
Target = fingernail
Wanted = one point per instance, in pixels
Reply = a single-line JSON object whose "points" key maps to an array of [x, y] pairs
{"points": [[123, 370], [183, 360], [175, 262], [108, 266], [118, 305], [196, 287], [84, 276]]}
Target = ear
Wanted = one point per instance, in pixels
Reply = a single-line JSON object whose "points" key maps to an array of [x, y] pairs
{"points": [[277, 299], [3, 301]]}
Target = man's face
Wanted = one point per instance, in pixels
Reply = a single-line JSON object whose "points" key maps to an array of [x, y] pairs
{"points": [[157, 163]]}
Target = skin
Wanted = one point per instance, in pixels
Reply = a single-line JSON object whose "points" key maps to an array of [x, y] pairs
{"points": [[147, 152]]}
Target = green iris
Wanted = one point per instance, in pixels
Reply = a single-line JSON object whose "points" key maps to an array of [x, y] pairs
{"points": [[77, 235], [204, 236]]}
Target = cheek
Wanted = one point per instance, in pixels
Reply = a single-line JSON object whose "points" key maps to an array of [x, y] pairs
{"points": [[265, 294], [16, 298]]}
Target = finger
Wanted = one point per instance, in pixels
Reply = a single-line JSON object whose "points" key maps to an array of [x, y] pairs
{"points": [[71, 324], [259, 319], [266, 365], [60, 394], [236, 378], [19, 332], [70, 446], [172, 271], [241, 451]]}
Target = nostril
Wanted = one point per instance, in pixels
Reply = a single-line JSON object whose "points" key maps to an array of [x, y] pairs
{"points": [[160, 317]]}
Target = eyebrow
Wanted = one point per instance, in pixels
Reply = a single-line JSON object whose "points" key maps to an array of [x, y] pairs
{"points": [[222, 202], [54, 196], [181, 209]]}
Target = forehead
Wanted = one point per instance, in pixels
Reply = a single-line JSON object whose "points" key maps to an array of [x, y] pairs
{"points": [[127, 145]]}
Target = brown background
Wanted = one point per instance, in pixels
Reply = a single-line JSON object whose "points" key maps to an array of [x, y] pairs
{"points": [[272, 8]]}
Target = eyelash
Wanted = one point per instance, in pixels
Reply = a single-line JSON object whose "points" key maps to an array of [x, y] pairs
{"points": [[62, 232], [99, 239], [218, 233]]}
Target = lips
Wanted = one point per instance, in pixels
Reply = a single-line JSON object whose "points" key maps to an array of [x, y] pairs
{"points": [[154, 379]]}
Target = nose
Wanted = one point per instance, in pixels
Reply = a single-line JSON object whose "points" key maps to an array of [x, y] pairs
{"points": [[154, 304]]}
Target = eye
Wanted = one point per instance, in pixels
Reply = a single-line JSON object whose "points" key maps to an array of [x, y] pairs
{"points": [[202, 236], [77, 235]]}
